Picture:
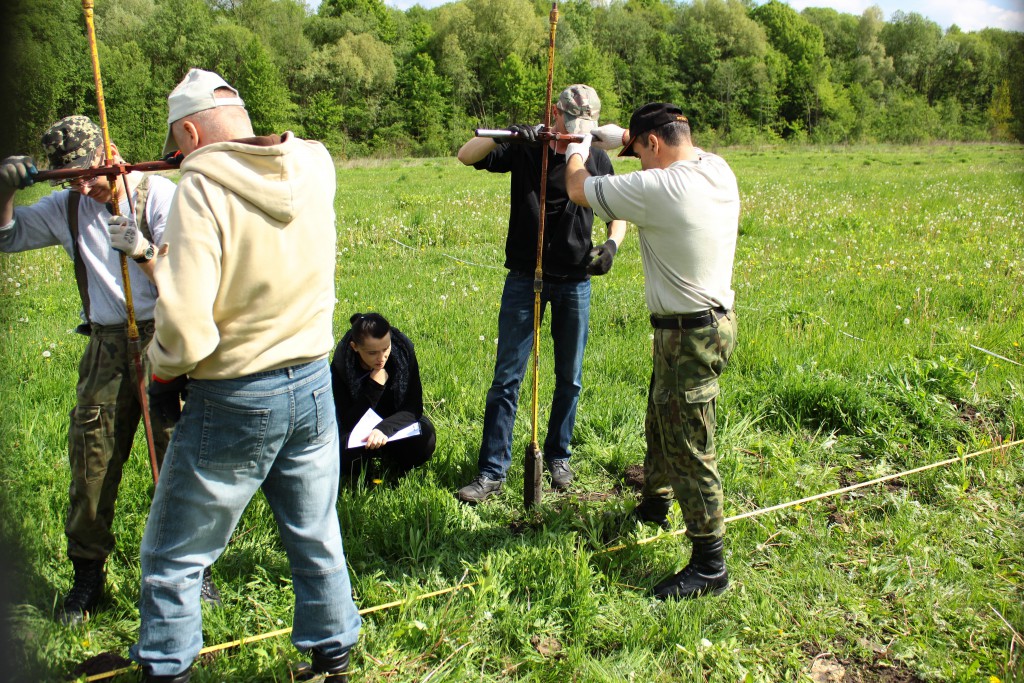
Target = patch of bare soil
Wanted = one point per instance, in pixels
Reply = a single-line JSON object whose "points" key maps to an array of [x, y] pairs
{"points": [[99, 664], [547, 647], [861, 672], [828, 668], [633, 477]]}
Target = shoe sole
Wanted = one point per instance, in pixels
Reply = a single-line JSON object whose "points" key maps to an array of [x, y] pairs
{"points": [[694, 595], [475, 501]]}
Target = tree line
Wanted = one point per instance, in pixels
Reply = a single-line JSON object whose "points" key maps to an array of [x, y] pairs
{"points": [[367, 79]]}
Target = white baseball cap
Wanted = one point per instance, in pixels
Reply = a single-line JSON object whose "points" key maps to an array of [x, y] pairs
{"points": [[195, 93]]}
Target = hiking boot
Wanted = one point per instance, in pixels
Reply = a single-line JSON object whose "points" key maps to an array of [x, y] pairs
{"points": [[85, 593], [184, 677], [479, 490], [705, 574], [652, 511], [209, 593], [324, 668], [561, 473]]}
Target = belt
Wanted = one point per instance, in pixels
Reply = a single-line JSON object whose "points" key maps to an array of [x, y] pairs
{"points": [[688, 321]]}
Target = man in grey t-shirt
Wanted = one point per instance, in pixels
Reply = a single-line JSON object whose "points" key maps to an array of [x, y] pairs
{"points": [[685, 203]]}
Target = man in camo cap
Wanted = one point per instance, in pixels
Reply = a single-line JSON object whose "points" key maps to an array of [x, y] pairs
{"points": [[569, 260], [107, 411], [579, 106], [685, 203]]}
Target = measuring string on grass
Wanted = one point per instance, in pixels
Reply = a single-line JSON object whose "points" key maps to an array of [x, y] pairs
{"points": [[644, 541]]}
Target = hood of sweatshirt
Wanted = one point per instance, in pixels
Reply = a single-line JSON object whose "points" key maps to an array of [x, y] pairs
{"points": [[265, 171]]}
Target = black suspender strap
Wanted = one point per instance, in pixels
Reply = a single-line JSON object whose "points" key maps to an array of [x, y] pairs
{"points": [[81, 276]]}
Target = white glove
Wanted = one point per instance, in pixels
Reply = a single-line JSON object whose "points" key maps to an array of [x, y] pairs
{"points": [[609, 136], [581, 148], [126, 238]]}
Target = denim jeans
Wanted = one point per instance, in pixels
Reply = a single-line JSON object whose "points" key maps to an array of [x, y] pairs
{"points": [[272, 430], [570, 317]]}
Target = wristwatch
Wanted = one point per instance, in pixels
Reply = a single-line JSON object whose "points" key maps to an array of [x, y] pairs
{"points": [[147, 254]]}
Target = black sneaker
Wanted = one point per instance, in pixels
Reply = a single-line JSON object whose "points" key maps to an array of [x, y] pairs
{"points": [[561, 473], [479, 490]]}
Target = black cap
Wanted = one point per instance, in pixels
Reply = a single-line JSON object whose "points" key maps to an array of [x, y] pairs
{"points": [[647, 118]]}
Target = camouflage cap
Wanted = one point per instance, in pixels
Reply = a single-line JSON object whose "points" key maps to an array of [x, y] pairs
{"points": [[70, 142], [581, 107]]}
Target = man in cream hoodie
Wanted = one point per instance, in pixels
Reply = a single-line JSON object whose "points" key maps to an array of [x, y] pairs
{"points": [[245, 319]]}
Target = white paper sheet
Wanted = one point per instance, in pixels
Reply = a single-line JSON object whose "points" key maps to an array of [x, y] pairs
{"points": [[369, 420]]}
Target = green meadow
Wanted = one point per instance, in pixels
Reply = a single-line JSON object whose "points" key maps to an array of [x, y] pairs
{"points": [[879, 298]]}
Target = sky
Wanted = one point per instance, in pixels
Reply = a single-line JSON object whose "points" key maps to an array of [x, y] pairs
{"points": [[969, 15]]}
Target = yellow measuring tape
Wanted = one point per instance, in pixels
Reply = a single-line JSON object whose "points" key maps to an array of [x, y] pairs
{"points": [[605, 551]]}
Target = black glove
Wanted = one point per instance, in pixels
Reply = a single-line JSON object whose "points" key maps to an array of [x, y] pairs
{"points": [[17, 173], [601, 258], [165, 397], [526, 135]]}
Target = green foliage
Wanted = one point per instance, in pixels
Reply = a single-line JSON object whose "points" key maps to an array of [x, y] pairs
{"points": [[867, 280], [260, 84], [48, 68], [745, 73]]}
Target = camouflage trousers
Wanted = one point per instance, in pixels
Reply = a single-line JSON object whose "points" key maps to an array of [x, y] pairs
{"points": [[100, 436], [680, 423]]}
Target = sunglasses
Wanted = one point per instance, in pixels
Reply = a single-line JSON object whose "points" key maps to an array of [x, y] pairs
{"points": [[81, 184]]}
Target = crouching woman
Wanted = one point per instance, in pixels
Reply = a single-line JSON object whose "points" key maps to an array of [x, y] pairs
{"points": [[379, 398]]}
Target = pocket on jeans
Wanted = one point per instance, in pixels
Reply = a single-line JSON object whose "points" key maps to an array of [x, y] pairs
{"points": [[233, 438], [325, 418]]}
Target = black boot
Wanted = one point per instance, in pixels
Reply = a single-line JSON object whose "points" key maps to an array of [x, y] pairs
{"points": [[324, 668], [705, 574], [209, 593], [652, 511], [85, 593], [184, 677]]}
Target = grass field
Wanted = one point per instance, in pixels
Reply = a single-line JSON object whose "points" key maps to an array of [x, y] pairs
{"points": [[875, 287]]}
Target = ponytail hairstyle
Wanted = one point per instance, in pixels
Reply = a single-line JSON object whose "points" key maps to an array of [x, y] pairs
{"points": [[368, 325]]}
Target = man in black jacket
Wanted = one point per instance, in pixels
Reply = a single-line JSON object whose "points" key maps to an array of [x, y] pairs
{"points": [[567, 265]]}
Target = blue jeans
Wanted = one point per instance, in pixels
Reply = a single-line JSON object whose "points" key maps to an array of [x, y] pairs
{"points": [[272, 430], [570, 317]]}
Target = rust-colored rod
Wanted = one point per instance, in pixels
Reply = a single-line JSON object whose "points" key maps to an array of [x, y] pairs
{"points": [[532, 490], [105, 170], [134, 346]]}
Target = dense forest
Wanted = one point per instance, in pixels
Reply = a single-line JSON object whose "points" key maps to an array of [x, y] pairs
{"points": [[371, 80]]}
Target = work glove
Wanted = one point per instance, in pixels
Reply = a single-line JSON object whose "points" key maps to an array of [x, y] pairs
{"points": [[581, 148], [166, 395], [17, 173], [608, 136], [601, 258], [526, 135], [125, 237]]}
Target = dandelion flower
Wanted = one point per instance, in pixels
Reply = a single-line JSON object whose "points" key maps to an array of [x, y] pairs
{"points": [[906, 321], [46, 354]]}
